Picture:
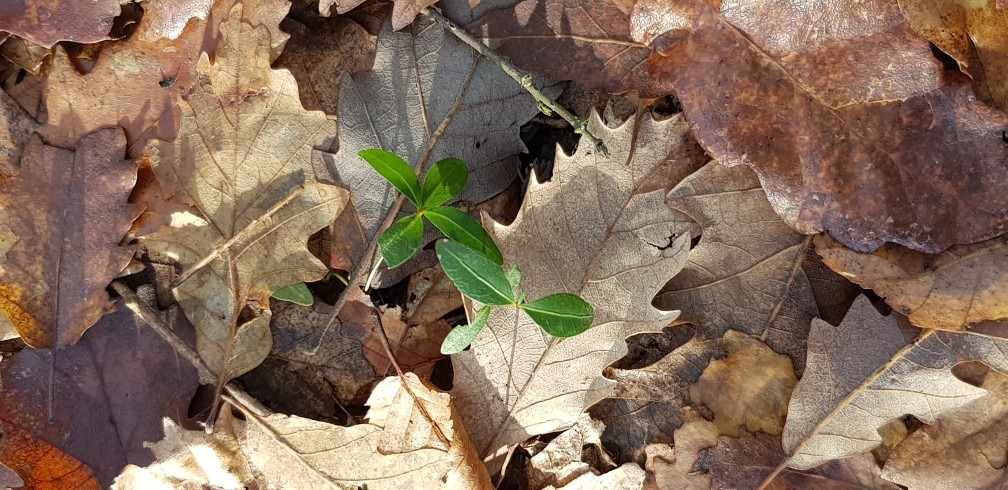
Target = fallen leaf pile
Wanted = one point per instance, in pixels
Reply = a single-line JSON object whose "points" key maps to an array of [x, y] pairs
{"points": [[793, 240]]}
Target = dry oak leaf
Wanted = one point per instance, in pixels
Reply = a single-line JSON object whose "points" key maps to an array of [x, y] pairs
{"points": [[629, 476], [243, 158], [16, 125], [965, 448], [588, 231], [41, 466], [975, 34], [882, 145], [671, 466], [561, 461], [745, 273], [170, 18], [749, 388], [62, 216], [25, 54], [399, 447], [403, 11], [427, 90], [591, 38], [964, 285], [416, 347], [47, 22], [110, 391], [866, 372]]}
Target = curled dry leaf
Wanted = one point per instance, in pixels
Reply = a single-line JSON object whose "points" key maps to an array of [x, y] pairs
{"points": [[422, 79], [110, 390], [966, 284], [749, 388], [592, 38], [561, 461], [47, 22], [243, 158], [588, 231], [913, 160], [62, 216], [865, 373], [671, 466], [975, 34]]}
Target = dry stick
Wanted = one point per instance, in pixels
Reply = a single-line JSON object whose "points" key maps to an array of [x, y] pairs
{"points": [[524, 79], [136, 305]]}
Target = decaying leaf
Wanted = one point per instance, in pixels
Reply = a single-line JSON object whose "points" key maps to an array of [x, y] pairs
{"points": [[416, 347], [630, 476], [562, 461], [966, 284], [110, 390], [47, 22], [431, 295], [865, 373], [852, 124], [592, 38], [61, 219], [974, 33], [422, 79], [749, 388], [39, 465], [672, 466], [16, 125], [25, 54], [965, 448], [588, 231], [403, 11], [745, 273], [398, 447], [243, 158]]}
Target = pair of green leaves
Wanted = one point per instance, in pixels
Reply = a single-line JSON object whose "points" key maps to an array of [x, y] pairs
{"points": [[560, 315], [470, 258], [444, 181]]}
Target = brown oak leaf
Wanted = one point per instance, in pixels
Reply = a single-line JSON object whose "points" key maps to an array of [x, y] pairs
{"points": [[47, 22]]}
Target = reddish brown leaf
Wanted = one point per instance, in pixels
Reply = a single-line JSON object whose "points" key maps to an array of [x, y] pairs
{"points": [[581, 40], [15, 128], [47, 22], [60, 248], [40, 466], [852, 124], [112, 390]]}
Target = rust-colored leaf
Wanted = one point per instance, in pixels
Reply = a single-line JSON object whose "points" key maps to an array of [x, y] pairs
{"points": [[61, 219], [47, 22], [852, 124], [41, 466]]}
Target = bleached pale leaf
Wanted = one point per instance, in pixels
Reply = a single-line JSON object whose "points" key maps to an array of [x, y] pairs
{"points": [[588, 231], [864, 373], [561, 461], [243, 157]]}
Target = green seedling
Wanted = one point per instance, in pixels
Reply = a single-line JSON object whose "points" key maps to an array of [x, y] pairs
{"points": [[469, 256], [299, 293]]}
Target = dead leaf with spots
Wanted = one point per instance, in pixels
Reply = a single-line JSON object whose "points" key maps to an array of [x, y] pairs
{"points": [[516, 381], [851, 123], [865, 373], [966, 284], [243, 158], [426, 89], [62, 216], [47, 22]]}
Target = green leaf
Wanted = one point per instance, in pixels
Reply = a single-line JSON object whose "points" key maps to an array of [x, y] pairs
{"points": [[514, 277], [444, 181], [295, 293], [396, 171], [401, 240], [464, 229], [475, 275], [561, 315], [460, 337]]}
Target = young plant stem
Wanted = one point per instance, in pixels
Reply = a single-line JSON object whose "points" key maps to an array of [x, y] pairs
{"points": [[524, 79]]}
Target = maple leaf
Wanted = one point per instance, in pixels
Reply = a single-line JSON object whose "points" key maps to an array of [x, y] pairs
{"points": [[914, 160], [242, 157], [593, 39], [427, 90], [964, 448], [399, 447], [110, 391], [865, 373], [964, 285], [61, 219], [976, 36], [589, 231], [47, 22]]}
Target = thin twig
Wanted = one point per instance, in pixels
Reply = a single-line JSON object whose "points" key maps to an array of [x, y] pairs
{"points": [[137, 306], [523, 78]]}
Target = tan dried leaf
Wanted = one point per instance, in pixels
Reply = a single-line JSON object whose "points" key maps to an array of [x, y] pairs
{"points": [[62, 216], [672, 466], [750, 388], [561, 461], [630, 476], [403, 11], [243, 157], [966, 284], [588, 231], [431, 295], [865, 373]]}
